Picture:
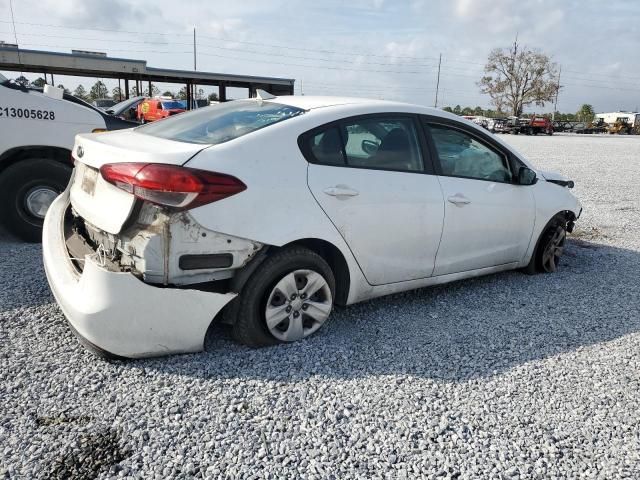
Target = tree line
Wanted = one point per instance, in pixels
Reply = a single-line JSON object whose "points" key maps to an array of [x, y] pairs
{"points": [[586, 113]]}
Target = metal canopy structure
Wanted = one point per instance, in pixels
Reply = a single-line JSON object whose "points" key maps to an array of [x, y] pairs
{"points": [[101, 66]]}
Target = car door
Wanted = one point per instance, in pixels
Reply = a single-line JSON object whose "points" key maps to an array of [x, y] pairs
{"points": [[488, 218], [371, 176]]}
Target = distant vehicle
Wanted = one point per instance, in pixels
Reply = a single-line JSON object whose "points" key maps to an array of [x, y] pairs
{"points": [[37, 129], [126, 109], [195, 104], [275, 209], [529, 126], [103, 103], [152, 109], [498, 125]]}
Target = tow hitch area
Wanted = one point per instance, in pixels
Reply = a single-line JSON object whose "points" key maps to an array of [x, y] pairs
{"points": [[160, 247]]}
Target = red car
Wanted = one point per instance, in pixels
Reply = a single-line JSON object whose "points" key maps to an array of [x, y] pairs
{"points": [[153, 109]]}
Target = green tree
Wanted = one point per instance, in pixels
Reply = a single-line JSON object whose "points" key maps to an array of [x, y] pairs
{"points": [[448, 109], [155, 91], [478, 112], [118, 94], [168, 94], [98, 90], [39, 82], [467, 111], [80, 92], [66, 90], [586, 113], [516, 78], [457, 110], [182, 94]]}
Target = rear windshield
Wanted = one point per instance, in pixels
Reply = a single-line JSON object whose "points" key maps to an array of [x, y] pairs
{"points": [[220, 123]]}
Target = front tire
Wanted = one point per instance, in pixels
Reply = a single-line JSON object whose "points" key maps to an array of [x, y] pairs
{"points": [[27, 188], [288, 298], [550, 247]]}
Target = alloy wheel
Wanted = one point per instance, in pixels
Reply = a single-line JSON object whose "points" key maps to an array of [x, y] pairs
{"points": [[553, 250], [298, 305]]}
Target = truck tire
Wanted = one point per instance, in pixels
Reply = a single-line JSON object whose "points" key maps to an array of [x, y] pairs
{"points": [[27, 188]]}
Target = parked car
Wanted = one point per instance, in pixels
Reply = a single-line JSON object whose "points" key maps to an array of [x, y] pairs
{"points": [[265, 213], [37, 131], [152, 109], [126, 109], [103, 103]]}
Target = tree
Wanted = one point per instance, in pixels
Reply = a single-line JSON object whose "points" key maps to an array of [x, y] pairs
{"points": [[66, 90], [182, 94], [80, 92], [213, 97], [99, 90], [478, 112], [448, 109], [118, 94], [517, 78], [169, 94], [22, 81], [467, 111], [155, 91], [39, 82], [586, 113], [457, 110]]}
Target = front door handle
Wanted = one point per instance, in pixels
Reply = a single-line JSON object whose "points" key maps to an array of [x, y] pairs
{"points": [[459, 199], [340, 191]]}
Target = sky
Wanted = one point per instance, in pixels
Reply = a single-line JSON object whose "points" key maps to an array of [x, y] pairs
{"points": [[373, 48]]}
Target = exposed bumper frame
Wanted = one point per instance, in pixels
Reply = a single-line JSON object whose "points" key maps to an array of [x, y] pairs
{"points": [[116, 313]]}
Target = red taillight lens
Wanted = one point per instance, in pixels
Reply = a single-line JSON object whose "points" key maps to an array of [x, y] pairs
{"points": [[170, 185]]}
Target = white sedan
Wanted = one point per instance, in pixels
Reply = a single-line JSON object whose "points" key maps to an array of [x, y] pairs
{"points": [[265, 213]]}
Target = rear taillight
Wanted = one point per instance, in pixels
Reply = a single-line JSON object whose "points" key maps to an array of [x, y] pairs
{"points": [[170, 185]]}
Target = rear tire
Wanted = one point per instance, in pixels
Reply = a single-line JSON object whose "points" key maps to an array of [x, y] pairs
{"points": [[549, 249], [262, 289], [26, 190]]}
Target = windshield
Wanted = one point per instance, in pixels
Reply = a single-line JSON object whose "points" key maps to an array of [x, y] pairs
{"points": [[173, 104], [222, 122]]}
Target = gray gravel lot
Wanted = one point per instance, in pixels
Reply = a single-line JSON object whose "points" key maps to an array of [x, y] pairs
{"points": [[507, 376]]}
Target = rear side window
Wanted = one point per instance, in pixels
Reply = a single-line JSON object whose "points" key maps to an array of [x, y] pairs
{"points": [[222, 122], [380, 143], [326, 147]]}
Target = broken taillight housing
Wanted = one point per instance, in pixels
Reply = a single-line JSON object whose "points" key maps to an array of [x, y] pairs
{"points": [[171, 185]]}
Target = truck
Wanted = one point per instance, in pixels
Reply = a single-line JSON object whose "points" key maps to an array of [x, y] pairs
{"points": [[37, 132], [529, 126]]}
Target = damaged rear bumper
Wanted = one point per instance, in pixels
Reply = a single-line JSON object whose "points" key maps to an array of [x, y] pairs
{"points": [[115, 312]]}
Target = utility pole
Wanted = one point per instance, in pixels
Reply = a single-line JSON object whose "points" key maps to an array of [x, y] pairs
{"points": [[555, 104], [435, 105], [195, 88]]}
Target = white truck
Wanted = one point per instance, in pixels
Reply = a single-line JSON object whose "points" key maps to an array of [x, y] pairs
{"points": [[37, 131]]}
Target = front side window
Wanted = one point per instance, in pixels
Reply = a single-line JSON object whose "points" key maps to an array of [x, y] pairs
{"points": [[462, 155], [222, 122]]}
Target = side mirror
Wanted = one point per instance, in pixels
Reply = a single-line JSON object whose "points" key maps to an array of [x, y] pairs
{"points": [[526, 176], [369, 147]]}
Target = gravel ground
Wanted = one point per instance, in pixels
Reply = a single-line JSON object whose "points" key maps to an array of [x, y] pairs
{"points": [[507, 376]]}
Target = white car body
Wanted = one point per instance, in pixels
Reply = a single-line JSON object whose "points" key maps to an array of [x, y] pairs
{"points": [[394, 230]]}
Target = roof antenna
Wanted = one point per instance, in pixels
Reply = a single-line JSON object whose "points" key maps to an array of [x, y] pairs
{"points": [[262, 95]]}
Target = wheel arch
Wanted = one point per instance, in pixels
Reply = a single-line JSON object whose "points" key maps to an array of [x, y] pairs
{"points": [[16, 154], [336, 260]]}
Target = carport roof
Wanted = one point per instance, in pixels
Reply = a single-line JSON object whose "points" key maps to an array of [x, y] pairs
{"points": [[82, 64]]}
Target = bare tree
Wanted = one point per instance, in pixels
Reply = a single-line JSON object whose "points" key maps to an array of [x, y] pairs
{"points": [[517, 78]]}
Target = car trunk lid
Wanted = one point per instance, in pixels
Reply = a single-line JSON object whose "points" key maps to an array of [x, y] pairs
{"points": [[100, 203]]}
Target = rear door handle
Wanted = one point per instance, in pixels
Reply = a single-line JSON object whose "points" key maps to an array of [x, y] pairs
{"points": [[340, 191], [459, 199]]}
